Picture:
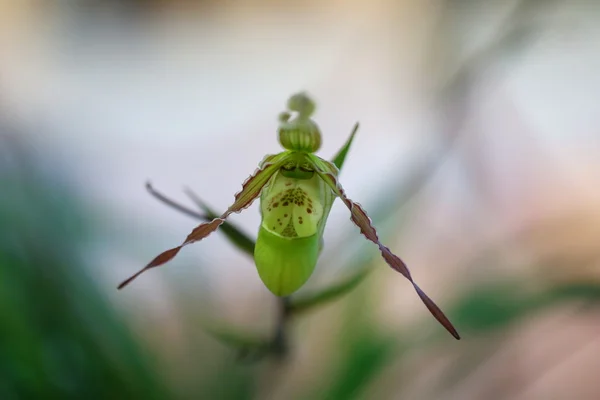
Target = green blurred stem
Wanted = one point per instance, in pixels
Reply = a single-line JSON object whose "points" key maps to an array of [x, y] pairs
{"points": [[279, 344]]}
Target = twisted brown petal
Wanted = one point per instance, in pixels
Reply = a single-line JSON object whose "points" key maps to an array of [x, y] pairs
{"points": [[328, 173], [251, 189]]}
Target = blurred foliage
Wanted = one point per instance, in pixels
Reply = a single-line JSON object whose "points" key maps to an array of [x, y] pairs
{"points": [[364, 358], [363, 353], [59, 337], [307, 300], [497, 306]]}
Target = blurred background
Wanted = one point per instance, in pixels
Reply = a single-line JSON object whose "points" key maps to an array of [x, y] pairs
{"points": [[478, 159]]}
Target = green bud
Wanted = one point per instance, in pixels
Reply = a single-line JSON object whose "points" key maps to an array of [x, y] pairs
{"points": [[300, 133]]}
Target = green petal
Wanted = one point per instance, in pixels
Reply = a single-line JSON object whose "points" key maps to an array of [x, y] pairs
{"points": [[284, 264], [340, 157]]}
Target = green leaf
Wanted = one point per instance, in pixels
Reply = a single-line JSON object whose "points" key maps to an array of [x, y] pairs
{"points": [[249, 347], [59, 343], [304, 302], [235, 235], [578, 291], [340, 157], [492, 307], [496, 306], [365, 358]]}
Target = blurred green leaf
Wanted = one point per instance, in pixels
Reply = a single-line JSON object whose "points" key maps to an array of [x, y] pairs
{"points": [[230, 381], [496, 306], [588, 291], [361, 350], [340, 157], [59, 338], [306, 301], [240, 239], [491, 307], [365, 358], [235, 338]]}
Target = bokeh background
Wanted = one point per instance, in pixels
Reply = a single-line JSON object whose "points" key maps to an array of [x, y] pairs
{"points": [[478, 158]]}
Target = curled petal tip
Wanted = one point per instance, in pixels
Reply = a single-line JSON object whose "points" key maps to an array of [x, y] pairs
{"points": [[302, 104]]}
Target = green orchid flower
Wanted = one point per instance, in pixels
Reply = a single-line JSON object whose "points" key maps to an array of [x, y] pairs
{"points": [[297, 189]]}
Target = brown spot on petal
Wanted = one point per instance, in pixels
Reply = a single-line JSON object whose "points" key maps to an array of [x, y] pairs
{"points": [[308, 210]]}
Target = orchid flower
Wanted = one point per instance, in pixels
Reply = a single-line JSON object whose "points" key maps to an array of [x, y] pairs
{"points": [[297, 189]]}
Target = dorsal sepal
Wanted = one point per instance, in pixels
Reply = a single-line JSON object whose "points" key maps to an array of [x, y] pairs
{"points": [[300, 133]]}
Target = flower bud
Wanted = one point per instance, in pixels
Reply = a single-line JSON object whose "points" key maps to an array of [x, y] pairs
{"points": [[300, 133]]}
